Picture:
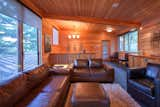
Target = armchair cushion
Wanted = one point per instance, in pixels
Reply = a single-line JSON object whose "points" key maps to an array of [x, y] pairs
{"points": [[144, 84], [152, 70], [136, 73]]}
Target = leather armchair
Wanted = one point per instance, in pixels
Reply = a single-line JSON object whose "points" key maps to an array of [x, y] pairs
{"points": [[144, 84], [114, 57]]}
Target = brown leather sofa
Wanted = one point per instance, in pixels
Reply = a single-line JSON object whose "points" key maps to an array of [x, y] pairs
{"points": [[144, 84], [36, 88], [92, 70]]}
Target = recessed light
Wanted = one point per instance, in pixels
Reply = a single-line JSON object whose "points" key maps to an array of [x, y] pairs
{"points": [[115, 5], [109, 29], [140, 28]]}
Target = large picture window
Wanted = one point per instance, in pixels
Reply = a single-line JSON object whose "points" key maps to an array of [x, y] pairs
{"points": [[30, 46], [133, 40], [8, 47], [20, 39], [129, 42], [121, 39]]}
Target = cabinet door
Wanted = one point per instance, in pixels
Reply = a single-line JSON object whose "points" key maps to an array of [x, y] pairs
{"points": [[131, 61]]}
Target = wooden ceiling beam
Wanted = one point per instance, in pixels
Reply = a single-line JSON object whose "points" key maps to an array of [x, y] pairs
{"points": [[32, 6], [95, 20]]}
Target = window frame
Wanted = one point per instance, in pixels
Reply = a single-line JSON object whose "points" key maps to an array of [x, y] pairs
{"points": [[53, 36], [39, 58], [124, 40], [20, 53]]}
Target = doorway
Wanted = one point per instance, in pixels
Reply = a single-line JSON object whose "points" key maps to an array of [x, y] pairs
{"points": [[105, 49]]}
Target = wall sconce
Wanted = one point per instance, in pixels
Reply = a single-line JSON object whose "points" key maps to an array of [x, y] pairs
{"points": [[73, 36]]}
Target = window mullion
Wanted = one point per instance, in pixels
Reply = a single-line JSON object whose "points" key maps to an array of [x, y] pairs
{"points": [[20, 46], [128, 42], [38, 47]]}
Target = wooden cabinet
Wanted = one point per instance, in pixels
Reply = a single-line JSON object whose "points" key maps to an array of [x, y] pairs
{"points": [[136, 60]]}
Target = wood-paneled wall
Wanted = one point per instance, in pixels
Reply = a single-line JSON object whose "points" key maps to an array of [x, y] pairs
{"points": [[91, 42], [136, 60], [146, 40], [46, 30]]}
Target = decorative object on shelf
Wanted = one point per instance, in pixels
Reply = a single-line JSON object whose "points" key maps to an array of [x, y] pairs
{"points": [[47, 43]]}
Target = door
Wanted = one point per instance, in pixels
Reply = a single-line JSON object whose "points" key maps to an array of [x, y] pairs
{"points": [[105, 49]]}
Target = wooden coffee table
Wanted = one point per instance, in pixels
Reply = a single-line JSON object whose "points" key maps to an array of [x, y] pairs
{"points": [[118, 96]]}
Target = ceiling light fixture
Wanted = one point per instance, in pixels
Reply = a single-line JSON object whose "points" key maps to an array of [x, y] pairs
{"points": [[73, 36], [109, 29], [69, 36]]}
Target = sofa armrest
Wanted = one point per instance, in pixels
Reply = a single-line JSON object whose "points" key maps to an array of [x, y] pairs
{"points": [[108, 67], [157, 91], [136, 73]]}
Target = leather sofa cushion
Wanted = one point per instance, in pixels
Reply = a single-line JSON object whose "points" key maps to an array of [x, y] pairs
{"points": [[95, 63], [36, 76], [13, 90], [101, 75], [47, 94], [152, 70], [97, 70], [89, 95], [81, 63], [40, 99], [145, 85], [56, 83], [17, 87], [81, 72]]}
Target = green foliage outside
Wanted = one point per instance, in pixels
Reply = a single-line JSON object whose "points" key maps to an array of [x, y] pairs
{"points": [[9, 36]]}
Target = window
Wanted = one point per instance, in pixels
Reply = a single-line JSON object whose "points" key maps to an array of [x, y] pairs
{"points": [[30, 47], [121, 43], [129, 42], [19, 43], [55, 36], [8, 47], [126, 42], [133, 40]]}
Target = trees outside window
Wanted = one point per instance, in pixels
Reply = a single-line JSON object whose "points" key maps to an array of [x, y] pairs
{"points": [[30, 46], [11, 57], [8, 46], [129, 42]]}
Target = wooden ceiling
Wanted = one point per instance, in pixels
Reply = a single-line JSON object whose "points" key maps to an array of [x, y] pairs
{"points": [[124, 13], [78, 26]]}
